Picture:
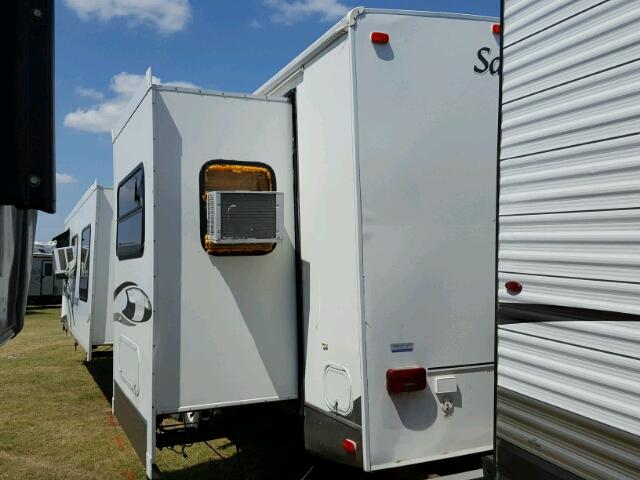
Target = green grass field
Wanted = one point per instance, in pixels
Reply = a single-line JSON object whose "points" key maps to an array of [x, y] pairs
{"points": [[56, 422]]}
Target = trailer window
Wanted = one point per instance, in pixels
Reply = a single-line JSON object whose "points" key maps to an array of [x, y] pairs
{"points": [[84, 264], [229, 175], [130, 224], [48, 269]]}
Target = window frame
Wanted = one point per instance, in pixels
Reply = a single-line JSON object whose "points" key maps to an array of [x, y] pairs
{"points": [[129, 251], [203, 205], [83, 293], [74, 244]]}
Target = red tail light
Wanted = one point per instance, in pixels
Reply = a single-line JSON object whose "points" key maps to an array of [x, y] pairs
{"points": [[401, 380], [349, 446], [496, 28], [379, 37], [513, 287]]}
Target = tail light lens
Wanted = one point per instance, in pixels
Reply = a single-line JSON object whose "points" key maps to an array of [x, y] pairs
{"points": [[349, 446], [400, 380], [513, 287]]}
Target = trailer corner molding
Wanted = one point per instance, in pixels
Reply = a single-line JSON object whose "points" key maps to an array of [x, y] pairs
{"points": [[138, 306]]}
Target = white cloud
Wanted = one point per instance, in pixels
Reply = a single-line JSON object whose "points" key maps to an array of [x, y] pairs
{"points": [[255, 24], [168, 16], [89, 93], [291, 11], [65, 178], [101, 117]]}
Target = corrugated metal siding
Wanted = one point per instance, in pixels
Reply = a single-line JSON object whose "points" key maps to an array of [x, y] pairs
{"points": [[590, 449], [596, 176], [572, 292], [569, 231], [602, 386], [591, 109], [590, 245], [599, 39], [527, 17], [620, 337]]}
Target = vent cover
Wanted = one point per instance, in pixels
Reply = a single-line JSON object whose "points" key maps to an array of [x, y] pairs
{"points": [[235, 217]]}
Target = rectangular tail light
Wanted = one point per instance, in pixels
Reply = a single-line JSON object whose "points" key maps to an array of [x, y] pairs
{"points": [[412, 379]]}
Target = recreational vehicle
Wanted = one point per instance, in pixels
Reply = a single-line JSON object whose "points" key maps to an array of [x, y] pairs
{"points": [[568, 324], [204, 312], [44, 286], [86, 270], [328, 239], [395, 119]]}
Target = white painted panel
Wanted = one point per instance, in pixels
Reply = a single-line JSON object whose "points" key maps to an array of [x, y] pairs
{"points": [[596, 40], [428, 186], [81, 313], [224, 325], [602, 386], [328, 224], [571, 292], [594, 108], [528, 17], [595, 245], [132, 147], [595, 176]]}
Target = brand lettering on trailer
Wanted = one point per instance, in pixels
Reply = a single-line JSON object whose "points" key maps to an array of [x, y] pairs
{"points": [[486, 63]]}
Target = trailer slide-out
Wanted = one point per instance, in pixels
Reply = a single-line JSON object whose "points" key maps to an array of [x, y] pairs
{"points": [[568, 391]]}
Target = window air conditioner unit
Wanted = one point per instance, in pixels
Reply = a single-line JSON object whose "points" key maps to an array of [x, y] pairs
{"points": [[62, 257], [244, 217]]}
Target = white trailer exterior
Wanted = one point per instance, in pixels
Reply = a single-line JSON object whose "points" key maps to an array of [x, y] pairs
{"points": [[396, 174], [44, 287], [195, 331], [569, 241], [86, 308]]}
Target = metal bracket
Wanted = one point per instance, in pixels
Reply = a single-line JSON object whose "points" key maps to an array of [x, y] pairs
{"points": [[352, 16]]}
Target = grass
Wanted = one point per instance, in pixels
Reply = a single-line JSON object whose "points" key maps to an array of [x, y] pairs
{"points": [[56, 423]]}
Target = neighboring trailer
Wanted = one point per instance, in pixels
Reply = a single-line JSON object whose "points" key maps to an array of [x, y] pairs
{"points": [[200, 324], [396, 205], [44, 287], [568, 391], [86, 309]]}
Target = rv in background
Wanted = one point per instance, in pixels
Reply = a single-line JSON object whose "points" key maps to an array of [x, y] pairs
{"points": [[44, 286], [86, 306], [568, 324], [395, 165]]}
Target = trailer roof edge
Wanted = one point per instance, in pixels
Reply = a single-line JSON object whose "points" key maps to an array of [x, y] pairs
{"points": [[341, 28], [311, 51], [135, 101], [94, 187]]}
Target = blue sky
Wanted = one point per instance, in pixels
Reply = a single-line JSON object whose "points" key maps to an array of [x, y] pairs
{"points": [[103, 48]]}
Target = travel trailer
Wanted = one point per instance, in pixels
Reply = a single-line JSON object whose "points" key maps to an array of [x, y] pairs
{"points": [[327, 239], [86, 308], [204, 312], [44, 287], [568, 324]]}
